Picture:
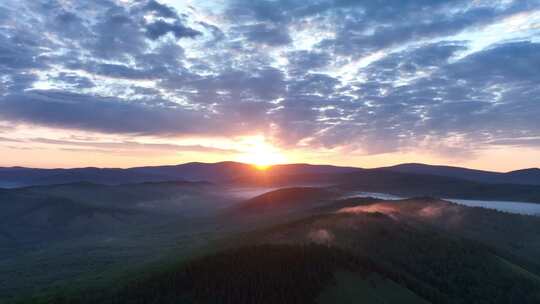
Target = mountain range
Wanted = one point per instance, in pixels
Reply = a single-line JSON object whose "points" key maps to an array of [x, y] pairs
{"points": [[11, 177], [297, 233], [221, 172], [529, 176]]}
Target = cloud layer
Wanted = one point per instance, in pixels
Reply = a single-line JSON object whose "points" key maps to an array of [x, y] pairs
{"points": [[367, 76]]}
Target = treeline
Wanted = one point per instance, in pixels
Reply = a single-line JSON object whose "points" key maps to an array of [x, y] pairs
{"points": [[440, 267], [254, 274]]}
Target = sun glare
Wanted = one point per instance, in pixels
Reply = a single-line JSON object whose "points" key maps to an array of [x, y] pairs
{"points": [[260, 153]]}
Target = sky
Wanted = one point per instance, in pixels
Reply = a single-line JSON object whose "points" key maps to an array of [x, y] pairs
{"points": [[121, 83]]}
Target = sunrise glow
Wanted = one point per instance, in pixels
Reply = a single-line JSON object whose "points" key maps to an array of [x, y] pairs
{"points": [[256, 139], [260, 153], [182, 81]]}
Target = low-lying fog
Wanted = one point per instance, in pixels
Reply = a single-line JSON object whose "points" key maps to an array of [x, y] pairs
{"points": [[249, 192], [506, 206], [8, 185], [510, 207]]}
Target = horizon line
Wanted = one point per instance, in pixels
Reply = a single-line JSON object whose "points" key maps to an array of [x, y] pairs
{"points": [[269, 166]]}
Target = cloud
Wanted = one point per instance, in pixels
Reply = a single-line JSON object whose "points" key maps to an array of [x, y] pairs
{"points": [[10, 140], [160, 9], [367, 77], [130, 145], [125, 72], [520, 142], [415, 23], [266, 34], [303, 61], [87, 112], [502, 63], [75, 80], [160, 28]]}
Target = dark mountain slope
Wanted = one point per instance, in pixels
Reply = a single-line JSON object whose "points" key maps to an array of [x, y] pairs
{"points": [[517, 235], [213, 172], [406, 184], [42, 214], [286, 199], [441, 267], [20, 177], [298, 169], [525, 177], [251, 274], [198, 171], [34, 220], [300, 261]]}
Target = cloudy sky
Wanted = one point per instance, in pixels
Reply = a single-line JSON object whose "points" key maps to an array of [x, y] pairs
{"points": [[366, 83]]}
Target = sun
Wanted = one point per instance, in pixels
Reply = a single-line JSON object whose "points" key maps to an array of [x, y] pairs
{"points": [[263, 159], [261, 154]]}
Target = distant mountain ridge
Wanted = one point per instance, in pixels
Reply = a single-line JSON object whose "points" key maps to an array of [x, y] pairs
{"points": [[231, 171], [194, 171], [529, 176]]}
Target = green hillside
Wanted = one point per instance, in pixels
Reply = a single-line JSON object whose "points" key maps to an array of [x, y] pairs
{"points": [[376, 253]]}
